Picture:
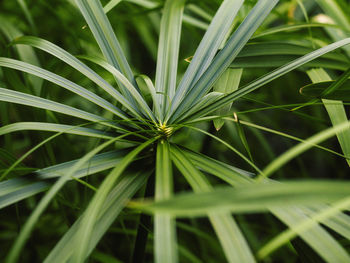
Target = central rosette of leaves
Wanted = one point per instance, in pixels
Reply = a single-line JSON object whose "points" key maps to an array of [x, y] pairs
{"points": [[165, 131]]}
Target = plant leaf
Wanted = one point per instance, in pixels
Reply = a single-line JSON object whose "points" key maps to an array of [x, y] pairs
{"points": [[266, 79], [60, 81], [76, 64], [303, 146], [94, 208], [53, 127], [165, 244], [250, 198], [316, 90], [234, 245], [102, 30], [209, 45], [225, 57], [303, 226], [227, 83], [168, 52], [116, 200], [37, 102], [44, 202], [126, 83], [335, 109]]}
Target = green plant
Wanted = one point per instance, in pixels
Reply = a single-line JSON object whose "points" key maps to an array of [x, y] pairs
{"points": [[150, 130]]}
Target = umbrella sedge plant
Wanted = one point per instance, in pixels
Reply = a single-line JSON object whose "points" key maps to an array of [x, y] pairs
{"points": [[149, 127]]}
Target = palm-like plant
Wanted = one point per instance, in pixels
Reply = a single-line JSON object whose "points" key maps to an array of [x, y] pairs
{"points": [[149, 129]]}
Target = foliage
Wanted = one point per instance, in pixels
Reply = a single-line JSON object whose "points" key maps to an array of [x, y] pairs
{"points": [[146, 120]]}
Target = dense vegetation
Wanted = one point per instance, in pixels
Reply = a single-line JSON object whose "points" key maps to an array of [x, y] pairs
{"points": [[174, 131]]}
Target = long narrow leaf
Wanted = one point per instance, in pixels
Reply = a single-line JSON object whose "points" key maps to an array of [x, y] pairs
{"points": [[322, 242], [53, 127], [116, 201], [90, 219], [301, 147], [267, 78], [17, 189], [130, 87], [335, 109], [217, 30], [168, 52], [30, 223], [75, 63], [101, 28], [67, 84], [225, 57], [234, 245], [165, 244], [37, 102]]}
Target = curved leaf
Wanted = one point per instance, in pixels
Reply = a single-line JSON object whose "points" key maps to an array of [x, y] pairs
{"points": [[37, 102], [53, 127], [75, 63], [60, 81]]}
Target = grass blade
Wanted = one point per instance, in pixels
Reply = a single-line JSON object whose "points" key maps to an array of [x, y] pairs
{"points": [[303, 226], [17, 189], [278, 53], [316, 90], [316, 236], [152, 91], [293, 27], [39, 209], [26, 54], [301, 147]]}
